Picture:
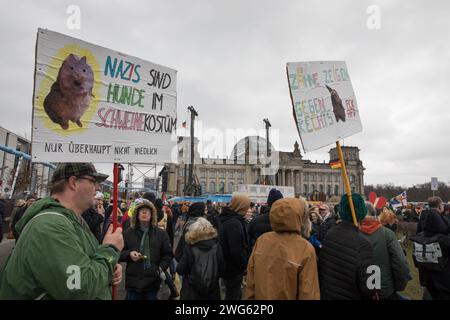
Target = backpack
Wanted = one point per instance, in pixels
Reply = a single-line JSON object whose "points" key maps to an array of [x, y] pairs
{"points": [[428, 253], [204, 274]]}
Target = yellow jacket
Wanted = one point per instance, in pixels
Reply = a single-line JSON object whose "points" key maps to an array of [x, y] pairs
{"points": [[283, 265]]}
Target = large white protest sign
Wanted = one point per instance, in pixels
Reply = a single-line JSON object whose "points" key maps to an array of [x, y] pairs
{"points": [[324, 104], [99, 105]]}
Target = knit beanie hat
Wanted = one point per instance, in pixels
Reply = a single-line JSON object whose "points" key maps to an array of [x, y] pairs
{"points": [[274, 195], [197, 209], [150, 196], [360, 208]]}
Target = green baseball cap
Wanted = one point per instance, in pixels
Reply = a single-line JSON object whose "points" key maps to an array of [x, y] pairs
{"points": [[68, 169]]}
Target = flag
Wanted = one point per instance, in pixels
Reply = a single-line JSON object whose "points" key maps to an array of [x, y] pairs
{"points": [[184, 124], [399, 201], [335, 164], [395, 204], [402, 198]]}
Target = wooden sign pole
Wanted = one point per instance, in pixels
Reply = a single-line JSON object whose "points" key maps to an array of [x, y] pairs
{"points": [[346, 182]]}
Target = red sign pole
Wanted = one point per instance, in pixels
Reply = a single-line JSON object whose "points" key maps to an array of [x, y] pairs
{"points": [[114, 217]]}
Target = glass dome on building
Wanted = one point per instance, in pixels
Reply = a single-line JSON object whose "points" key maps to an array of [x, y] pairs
{"points": [[252, 147]]}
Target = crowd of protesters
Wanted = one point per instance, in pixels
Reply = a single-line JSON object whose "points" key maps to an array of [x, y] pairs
{"points": [[281, 249]]}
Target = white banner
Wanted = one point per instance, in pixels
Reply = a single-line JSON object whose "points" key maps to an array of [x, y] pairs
{"points": [[323, 101], [92, 104]]}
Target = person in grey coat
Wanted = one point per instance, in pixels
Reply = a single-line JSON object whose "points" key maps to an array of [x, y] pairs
{"points": [[388, 255]]}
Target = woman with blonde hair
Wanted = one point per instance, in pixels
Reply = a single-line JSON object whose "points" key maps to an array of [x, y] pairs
{"points": [[388, 219]]}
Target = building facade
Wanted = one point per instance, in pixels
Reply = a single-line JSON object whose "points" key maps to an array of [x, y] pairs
{"points": [[221, 176], [32, 178]]}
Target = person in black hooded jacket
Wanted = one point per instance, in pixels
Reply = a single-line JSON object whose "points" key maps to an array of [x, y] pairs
{"points": [[345, 257], [147, 251], [235, 245], [261, 223], [437, 282]]}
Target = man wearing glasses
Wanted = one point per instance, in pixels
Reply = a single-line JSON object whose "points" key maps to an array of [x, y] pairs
{"points": [[57, 256]]}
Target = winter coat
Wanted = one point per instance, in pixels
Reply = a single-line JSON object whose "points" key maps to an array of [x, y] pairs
{"points": [[165, 222], [136, 277], [388, 255], [325, 226], [179, 251], [94, 220], [258, 226], [315, 227], [343, 261], [213, 217], [234, 241], [283, 264], [422, 219], [2, 215], [204, 240], [436, 224], [196, 210], [48, 247], [16, 218]]}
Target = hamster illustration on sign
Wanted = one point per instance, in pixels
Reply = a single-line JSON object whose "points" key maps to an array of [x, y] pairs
{"points": [[94, 104], [71, 93]]}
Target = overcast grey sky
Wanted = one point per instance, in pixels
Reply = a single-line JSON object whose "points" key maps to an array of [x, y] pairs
{"points": [[231, 57]]}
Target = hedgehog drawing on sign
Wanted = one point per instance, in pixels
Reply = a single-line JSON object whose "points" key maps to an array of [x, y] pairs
{"points": [[70, 95], [338, 109]]}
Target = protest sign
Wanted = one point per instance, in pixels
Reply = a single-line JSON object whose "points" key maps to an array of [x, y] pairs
{"points": [[99, 105], [324, 104]]}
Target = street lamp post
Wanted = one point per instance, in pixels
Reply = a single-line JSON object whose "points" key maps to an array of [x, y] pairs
{"points": [[268, 151]]}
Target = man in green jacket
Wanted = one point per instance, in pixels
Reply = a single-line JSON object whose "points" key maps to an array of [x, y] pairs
{"points": [[388, 255], [56, 255]]}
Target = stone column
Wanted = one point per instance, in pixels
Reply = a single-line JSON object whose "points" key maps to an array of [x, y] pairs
{"points": [[292, 178]]}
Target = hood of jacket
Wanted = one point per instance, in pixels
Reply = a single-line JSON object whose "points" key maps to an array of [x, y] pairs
{"points": [[227, 214], [286, 215], [369, 225], [47, 204], [436, 223], [154, 218], [200, 230]]}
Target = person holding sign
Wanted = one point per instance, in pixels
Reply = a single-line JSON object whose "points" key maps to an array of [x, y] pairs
{"points": [[57, 256], [346, 256]]}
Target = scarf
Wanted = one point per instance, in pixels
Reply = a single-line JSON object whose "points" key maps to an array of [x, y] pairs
{"points": [[145, 247]]}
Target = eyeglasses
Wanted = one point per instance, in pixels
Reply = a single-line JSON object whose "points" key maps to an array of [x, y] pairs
{"points": [[91, 180]]}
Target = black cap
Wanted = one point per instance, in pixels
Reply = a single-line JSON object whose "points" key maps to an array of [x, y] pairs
{"points": [[68, 169]]}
